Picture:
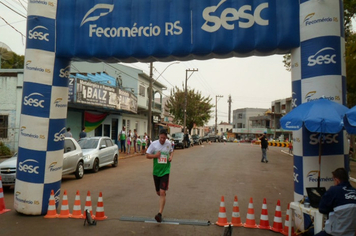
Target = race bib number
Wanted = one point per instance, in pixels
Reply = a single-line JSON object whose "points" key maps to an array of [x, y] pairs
{"points": [[163, 159]]}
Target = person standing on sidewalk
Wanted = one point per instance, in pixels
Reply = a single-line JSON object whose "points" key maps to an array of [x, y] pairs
{"points": [[122, 137], [128, 143], [162, 153], [135, 140], [264, 147]]}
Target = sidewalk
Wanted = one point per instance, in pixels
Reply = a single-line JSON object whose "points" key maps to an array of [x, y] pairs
{"points": [[124, 155]]}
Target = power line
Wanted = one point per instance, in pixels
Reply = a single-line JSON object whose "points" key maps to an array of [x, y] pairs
{"points": [[12, 10], [12, 26]]}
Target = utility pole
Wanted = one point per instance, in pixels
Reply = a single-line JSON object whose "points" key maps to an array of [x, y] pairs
{"points": [[216, 113], [185, 97], [150, 89], [149, 121], [229, 113]]}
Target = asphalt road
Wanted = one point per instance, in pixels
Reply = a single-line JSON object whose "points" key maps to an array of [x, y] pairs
{"points": [[199, 177]]}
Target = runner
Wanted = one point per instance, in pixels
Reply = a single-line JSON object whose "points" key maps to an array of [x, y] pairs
{"points": [[162, 153]]}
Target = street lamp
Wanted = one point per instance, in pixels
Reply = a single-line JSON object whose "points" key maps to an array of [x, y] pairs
{"points": [[149, 122]]}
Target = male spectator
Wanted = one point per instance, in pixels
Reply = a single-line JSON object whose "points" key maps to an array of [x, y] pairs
{"points": [[162, 153], [68, 133], [122, 138], [339, 203], [264, 147], [82, 134], [135, 136]]}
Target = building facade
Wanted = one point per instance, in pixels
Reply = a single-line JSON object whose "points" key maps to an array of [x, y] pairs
{"points": [[98, 101]]}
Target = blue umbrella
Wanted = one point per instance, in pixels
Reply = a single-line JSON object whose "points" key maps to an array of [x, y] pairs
{"points": [[350, 121], [319, 116]]}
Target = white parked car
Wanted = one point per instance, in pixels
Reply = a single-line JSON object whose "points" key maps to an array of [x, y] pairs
{"points": [[73, 162], [99, 152]]}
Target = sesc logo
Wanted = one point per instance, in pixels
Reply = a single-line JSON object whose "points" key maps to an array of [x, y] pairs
{"points": [[213, 23], [36, 33], [60, 135], [64, 72], [29, 166], [34, 99], [323, 56], [100, 7], [329, 139]]}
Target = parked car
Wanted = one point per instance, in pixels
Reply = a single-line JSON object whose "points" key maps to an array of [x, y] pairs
{"points": [[73, 163], [178, 139], [99, 152], [205, 138], [196, 139]]}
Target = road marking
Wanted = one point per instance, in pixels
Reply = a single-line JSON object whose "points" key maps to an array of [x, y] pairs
{"points": [[165, 221]]}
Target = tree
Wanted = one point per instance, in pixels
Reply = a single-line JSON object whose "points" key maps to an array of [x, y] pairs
{"points": [[198, 107], [11, 60]]}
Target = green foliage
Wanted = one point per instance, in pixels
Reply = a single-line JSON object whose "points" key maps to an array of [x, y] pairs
{"points": [[351, 69], [4, 151], [198, 107], [11, 60]]}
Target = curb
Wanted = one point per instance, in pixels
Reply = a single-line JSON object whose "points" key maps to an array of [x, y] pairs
{"points": [[125, 156]]}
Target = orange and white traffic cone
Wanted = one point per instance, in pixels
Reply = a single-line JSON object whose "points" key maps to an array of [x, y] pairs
{"points": [[2, 201], [222, 220], [236, 218], [99, 214], [88, 206], [250, 218], [277, 221], [77, 209], [64, 213], [264, 222], [51, 211], [288, 223]]}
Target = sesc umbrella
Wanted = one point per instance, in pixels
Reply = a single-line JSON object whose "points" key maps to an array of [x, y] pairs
{"points": [[319, 116], [350, 121]]}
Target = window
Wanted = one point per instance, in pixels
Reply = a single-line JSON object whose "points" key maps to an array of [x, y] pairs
{"points": [[128, 125], [68, 145], [240, 116], [102, 142], [3, 125], [142, 91], [108, 142]]}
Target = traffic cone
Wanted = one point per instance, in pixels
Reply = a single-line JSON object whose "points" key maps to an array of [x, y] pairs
{"points": [[236, 219], [222, 220], [99, 214], [64, 213], [288, 223], [77, 210], [264, 222], [51, 211], [2, 201], [250, 218], [277, 221], [88, 206]]}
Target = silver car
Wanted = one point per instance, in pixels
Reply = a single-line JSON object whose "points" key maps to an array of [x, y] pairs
{"points": [[73, 162], [99, 152]]}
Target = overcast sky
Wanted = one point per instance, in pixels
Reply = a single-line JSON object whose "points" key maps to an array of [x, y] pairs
{"points": [[252, 82]]}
